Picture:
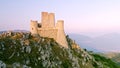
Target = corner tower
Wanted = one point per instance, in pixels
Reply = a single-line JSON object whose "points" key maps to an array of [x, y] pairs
{"points": [[61, 37], [33, 27]]}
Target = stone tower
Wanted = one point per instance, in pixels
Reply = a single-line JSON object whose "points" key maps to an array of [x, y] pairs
{"points": [[48, 28], [33, 27]]}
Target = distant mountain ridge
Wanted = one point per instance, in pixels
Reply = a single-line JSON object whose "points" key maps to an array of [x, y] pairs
{"points": [[84, 42], [108, 42], [14, 31]]}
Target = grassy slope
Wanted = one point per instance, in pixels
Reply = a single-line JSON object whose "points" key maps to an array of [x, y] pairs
{"points": [[22, 49]]}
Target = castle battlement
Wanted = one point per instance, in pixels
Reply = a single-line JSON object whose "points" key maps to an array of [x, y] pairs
{"points": [[48, 28]]}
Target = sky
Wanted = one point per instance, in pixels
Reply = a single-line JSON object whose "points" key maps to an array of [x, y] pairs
{"points": [[89, 17]]}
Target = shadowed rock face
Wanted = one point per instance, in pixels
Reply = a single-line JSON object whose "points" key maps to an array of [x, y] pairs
{"points": [[22, 50], [48, 28]]}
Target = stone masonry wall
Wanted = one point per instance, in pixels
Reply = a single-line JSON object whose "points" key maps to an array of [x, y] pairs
{"points": [[51, 33]]}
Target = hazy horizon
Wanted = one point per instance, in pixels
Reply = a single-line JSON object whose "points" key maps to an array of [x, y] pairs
{"points": [[79, 16]]}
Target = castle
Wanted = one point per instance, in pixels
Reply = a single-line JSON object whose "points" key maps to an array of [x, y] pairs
{"points": [[48, 28]]}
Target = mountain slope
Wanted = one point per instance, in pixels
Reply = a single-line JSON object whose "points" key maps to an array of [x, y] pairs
{"points": [[22, 50], [115, 56]]}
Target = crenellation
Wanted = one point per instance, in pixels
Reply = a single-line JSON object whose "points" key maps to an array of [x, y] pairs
{"points": [[48, 28]]}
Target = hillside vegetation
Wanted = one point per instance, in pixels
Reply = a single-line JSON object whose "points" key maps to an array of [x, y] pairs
{"points": [[22, 50], [115, 56]]}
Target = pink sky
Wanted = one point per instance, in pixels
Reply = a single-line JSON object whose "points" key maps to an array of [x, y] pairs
{"points": [[80, 16]]}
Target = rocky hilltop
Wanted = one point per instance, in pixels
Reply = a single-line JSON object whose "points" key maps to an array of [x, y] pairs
{"points": [[22, 50]]}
